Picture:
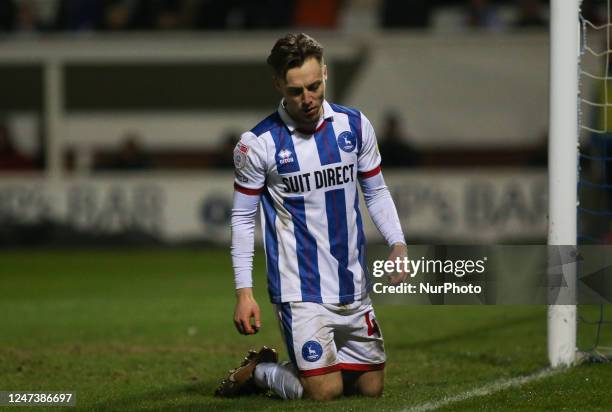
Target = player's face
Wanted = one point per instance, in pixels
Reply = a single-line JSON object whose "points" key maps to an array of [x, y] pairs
{"points": [[304, 90]]}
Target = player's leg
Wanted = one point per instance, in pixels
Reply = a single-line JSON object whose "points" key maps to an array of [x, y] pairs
{"points": [[363, 383], [361, 350], [323, 387], [281, 378], [309, 338]]}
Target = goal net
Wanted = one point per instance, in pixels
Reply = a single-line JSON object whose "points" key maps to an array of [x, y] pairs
{"points": [[594, 223]]}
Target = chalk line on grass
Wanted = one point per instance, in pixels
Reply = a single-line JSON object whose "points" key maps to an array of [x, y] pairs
{"points": [[493, 387]]}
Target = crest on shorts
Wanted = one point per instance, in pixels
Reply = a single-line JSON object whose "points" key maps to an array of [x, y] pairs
{"points": [[312, 351], [240, 155], [346, 141]]}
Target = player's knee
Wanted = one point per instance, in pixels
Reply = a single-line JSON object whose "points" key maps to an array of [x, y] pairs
{"points": [[374, 390], [323, 389], [371, 384], [325, 393]]}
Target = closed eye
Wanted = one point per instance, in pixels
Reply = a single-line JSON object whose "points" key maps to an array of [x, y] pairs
{"points": [[296, 91], [313, 87]]}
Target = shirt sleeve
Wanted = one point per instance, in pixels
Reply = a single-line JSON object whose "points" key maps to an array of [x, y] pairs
{"points": [[249, 181], [249, 164], [382, 209], [368, 160], [243, 238]]}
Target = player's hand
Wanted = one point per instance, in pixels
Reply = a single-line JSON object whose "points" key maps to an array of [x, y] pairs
{"points": [[246, 308], [399, 250]]}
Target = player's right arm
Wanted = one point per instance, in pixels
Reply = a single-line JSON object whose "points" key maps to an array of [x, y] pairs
{"points": [[246, 309], [249, 163]]}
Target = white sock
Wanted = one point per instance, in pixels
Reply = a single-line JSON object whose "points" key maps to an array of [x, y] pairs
{"points": [[281, 378]]}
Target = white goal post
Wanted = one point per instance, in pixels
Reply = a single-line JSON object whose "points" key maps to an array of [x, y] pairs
{"points": [[563, 170]]}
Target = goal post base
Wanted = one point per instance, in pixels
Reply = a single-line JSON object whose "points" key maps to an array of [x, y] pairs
{"points": [[562, 349]]}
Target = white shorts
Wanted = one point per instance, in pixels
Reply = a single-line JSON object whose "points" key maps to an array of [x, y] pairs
{"points": [[323, 338]]}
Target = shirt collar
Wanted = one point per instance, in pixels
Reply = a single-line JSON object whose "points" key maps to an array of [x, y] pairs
{"points": [[328, 114]]}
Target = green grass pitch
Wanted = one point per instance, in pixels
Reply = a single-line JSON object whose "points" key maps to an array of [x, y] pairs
{"points": [[152, 330]]}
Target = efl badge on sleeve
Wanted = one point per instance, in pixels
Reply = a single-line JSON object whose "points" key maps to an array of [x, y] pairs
{"points": [[240, 155], [347, 141]]}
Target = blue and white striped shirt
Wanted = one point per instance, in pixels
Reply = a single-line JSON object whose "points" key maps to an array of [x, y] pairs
{"points": [[313, 231]]}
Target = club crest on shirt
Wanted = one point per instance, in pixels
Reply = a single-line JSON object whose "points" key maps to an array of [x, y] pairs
{"points": [[240, 155], [312, 351], [285, 156], [347, 141]]}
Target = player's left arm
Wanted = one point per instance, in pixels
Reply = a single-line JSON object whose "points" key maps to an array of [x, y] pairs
{"points": [[378, 198]]}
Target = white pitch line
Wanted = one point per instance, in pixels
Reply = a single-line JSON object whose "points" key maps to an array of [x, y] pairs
{"points": [[496, 386]]}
